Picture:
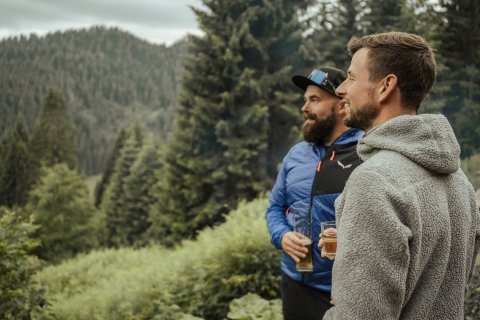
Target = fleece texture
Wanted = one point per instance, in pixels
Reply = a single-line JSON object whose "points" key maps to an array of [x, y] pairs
{"points": [[408, 226]]}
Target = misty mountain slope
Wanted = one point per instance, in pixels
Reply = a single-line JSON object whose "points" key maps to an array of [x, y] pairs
{"points": [[109, 78]]}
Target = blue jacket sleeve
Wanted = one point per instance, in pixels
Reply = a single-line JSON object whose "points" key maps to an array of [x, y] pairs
{"points": [[276, 219]]}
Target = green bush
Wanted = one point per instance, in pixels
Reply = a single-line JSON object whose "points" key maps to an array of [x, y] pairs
{"points": [[62, 207], [253, 307], [197, 278], [18, 297], [238, 258]]}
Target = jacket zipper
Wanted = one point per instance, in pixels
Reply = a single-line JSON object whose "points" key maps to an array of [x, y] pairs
{"points": [[319, 167]]}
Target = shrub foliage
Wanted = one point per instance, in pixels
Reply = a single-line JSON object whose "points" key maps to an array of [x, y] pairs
{"points": [[17, 295], [197, 278], [61, 205]]}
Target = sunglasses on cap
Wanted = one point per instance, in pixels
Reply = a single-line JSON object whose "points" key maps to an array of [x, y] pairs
{"points": [[321, 78]]}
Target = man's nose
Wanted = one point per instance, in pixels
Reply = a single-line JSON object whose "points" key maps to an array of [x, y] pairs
{"points": [[305, 107], [340, 91]]}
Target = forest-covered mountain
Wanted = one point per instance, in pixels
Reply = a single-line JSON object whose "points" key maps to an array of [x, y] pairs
{"points": [[109, 79]]}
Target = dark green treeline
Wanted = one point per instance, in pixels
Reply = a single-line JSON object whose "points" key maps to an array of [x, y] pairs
{"points": [[39, 178], [16, 163], [109, 79], [23, 155], [459, 48]]}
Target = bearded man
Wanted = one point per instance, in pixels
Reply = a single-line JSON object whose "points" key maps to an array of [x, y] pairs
{"points": [[313, 174], [408, 225]]}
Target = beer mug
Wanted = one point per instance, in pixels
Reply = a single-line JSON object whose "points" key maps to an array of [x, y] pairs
{"points": [[328, 234], [302, 226]]}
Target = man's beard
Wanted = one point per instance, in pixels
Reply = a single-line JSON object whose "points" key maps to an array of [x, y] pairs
{"points": [[361, 118], [320, 129]]}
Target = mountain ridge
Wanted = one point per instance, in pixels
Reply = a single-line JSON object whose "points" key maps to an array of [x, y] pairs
{"points": [[109, 79]]}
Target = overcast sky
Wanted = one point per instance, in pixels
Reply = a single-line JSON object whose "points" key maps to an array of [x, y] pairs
{"points": [[157, 21]]}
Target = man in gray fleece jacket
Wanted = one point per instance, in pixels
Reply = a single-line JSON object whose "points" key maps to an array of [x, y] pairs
{"points": [[408, 225]]}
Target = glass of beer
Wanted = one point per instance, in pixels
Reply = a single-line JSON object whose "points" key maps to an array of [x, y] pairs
{"points": [[328, 234], [302, 228]]}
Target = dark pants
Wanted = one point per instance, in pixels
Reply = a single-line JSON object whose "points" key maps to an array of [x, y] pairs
{"points": [[300, 302]]}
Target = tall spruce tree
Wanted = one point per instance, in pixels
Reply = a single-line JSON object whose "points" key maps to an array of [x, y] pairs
{"points": [[424, 17], [53, 136], [420, 17], [383, 16], [114, 204], [108, 171], [459, 45], [16, 165], [332, 25], [139, 196], [236, 118]]}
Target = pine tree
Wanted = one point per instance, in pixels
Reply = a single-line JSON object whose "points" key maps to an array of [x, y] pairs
{"points": [[426, 18], [139, 196], [333, 24], [420, 17], [383, 16], [114, 204], [459, 45], [60, 204], [16, 163], [108, 171], [236, 118], [53, 136]]}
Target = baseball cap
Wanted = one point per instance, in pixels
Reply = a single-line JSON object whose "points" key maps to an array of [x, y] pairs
{"points": [[327, 78]]}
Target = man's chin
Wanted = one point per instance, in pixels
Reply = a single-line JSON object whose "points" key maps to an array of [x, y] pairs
{"points": [[352, 124]]}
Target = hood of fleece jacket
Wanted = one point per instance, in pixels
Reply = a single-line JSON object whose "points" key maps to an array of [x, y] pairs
{"points": [[426, 139]]}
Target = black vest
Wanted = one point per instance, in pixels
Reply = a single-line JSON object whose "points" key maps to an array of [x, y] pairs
{"points": [[335, 168]]}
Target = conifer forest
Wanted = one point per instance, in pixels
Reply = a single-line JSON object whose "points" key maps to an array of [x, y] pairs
{"points": [[134, 177]]}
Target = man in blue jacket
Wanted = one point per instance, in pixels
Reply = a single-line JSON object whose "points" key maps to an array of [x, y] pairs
{"points": [[312, 175]]}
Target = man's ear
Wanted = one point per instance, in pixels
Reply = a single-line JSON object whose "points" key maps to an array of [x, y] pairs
{"points": [[387, 86]]}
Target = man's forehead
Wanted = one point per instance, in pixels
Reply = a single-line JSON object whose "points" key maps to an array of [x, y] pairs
{"points": [[359, 61], [315, 91]]}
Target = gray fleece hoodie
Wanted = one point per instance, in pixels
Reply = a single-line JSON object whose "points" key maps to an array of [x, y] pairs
{"points": [[408, 226]]}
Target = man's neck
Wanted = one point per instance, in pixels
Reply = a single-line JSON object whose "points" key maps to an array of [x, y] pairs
{"points": [[389, 113]]}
